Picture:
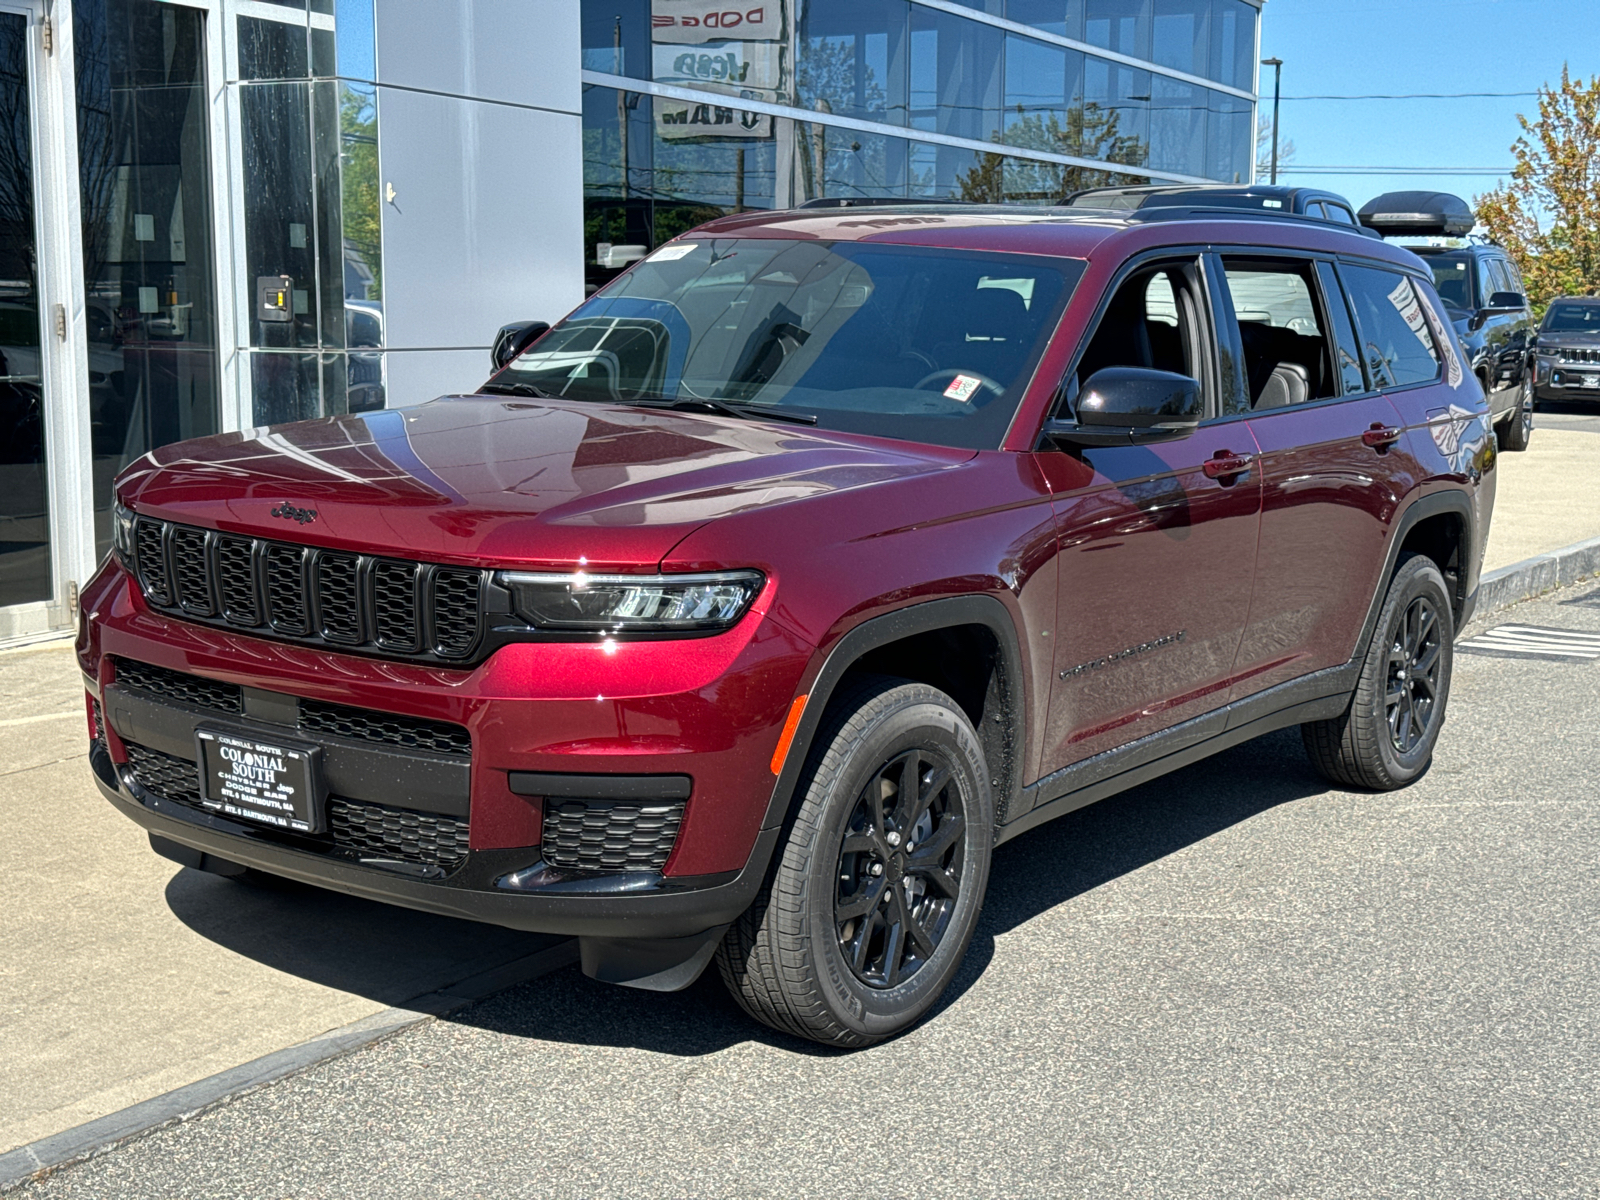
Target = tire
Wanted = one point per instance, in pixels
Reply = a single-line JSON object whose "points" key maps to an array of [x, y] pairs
{"points": [[1385, 738], [800, 959], [1517, 430]]}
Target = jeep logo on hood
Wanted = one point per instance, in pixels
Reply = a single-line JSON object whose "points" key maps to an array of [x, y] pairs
{"points": [[290, 513]]}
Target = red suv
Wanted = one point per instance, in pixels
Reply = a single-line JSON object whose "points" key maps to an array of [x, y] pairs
{"points": [[743, 613]]}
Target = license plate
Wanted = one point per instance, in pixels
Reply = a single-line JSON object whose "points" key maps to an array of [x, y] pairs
{"points": [[1589, 381], [271, 783]]}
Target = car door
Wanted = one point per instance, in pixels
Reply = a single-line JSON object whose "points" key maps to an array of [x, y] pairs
{"points": [[1157, 542], [1499, 329], [1514, 357], [1331, 448]]}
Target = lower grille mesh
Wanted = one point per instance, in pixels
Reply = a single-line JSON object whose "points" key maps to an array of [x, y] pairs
{"points": [[370, 830], [609, 837], [178, 685]]}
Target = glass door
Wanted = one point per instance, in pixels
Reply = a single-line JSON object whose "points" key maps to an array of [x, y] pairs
{"points": [[26, 575]]}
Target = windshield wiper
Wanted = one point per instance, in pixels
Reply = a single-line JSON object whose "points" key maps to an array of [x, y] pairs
{"points": [[745, 412], [518, 389]]}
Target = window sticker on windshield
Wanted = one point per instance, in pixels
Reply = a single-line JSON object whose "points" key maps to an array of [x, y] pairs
{"points": [[961, 388], [678, 250]]}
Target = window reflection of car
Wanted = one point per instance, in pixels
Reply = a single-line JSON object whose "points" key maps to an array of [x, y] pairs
{"points": [[363, 330]]}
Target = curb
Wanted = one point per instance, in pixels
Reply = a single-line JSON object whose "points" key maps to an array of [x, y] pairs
{"points": [[38, 1159], [1534, 576]]}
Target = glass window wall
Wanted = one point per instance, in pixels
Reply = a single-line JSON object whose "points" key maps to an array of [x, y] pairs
{"points": [[312, 210], [149, 262]]}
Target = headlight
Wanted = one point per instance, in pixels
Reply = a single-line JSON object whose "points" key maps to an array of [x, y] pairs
{"points": [[623, 604], [122, 533]]}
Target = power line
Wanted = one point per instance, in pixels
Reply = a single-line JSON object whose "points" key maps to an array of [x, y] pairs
{"points": [[1417, 96]]}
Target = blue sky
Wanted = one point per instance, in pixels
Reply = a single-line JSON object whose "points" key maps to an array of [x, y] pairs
{"points": [[1345, 47]]}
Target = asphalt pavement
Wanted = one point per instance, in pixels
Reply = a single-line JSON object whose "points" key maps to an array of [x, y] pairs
{"points": [[1582, 417], [1234, 981]]}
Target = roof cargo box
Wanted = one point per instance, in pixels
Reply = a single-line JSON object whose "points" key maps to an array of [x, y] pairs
{"points": [[1418, 214]]}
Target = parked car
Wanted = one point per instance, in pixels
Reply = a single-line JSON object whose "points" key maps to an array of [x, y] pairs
{"points": [[1568, 348], [1483, 292], [746, 610], [1264, 197]]}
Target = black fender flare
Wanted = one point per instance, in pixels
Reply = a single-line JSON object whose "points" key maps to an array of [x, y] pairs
{"points": [[1453, 501], [924, 617]]}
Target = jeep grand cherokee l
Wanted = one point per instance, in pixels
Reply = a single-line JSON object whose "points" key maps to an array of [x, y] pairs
{"points": [[744, 613]]}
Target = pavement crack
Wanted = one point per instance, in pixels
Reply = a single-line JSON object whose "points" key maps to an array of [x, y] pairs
{"points": [[42, 766]]}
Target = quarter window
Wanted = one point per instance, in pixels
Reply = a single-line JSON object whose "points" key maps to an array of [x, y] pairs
{"points": [[1395, 341], [1339, 213]]}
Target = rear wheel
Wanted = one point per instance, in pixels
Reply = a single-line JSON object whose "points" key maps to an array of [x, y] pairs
{"points": [[1385, 739], [1517, 429], [876, 892]]}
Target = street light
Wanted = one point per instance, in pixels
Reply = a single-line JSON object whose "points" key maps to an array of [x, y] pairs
{"points": [[1277, 78]]}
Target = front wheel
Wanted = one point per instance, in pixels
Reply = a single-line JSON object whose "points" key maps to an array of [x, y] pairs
{"points": [[1385, 739], [869, 910]]}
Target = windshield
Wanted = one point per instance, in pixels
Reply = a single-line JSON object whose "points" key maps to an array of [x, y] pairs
{"points": [[1573, 318], [1452, 277], [931, 345]]}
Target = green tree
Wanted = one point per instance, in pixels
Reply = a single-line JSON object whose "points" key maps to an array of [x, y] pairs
{"points": [[362, 207], [1548, 216], [1089, 131]]}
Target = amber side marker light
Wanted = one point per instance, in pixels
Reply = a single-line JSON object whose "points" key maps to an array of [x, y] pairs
{"points": [[787, 736]]}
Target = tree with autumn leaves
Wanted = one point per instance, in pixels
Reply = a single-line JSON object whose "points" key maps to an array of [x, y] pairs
{"points": [[1548, 216]]}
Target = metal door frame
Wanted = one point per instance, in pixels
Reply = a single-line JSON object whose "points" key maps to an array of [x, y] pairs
{"points": [[63, 363]]}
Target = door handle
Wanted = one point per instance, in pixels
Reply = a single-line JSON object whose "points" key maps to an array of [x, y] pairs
{"points": [[1225, 464], [1380, 437]]}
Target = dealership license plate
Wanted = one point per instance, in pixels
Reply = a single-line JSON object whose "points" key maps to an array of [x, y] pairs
{"points": [[1589, 381], [270, 783]]}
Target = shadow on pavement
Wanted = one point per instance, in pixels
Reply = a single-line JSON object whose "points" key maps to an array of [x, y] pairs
{"points": [[387, 954], [1039, 871]]}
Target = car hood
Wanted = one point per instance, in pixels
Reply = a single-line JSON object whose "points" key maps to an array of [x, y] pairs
{"points": [[1556, 341], [487, 479]]}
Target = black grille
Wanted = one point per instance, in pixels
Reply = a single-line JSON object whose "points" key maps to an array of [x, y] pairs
{"points": [[455, 608], [176, 685], [192, 572], [236, 577], [286, 590], [609, 837], [394, 605], [367, 830], [414, 733], [374, 830], [161, 775], [339, 598], [152, 561], [379, 605]]}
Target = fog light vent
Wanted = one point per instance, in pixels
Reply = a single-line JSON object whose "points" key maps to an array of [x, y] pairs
{"points": [[582, 835]]}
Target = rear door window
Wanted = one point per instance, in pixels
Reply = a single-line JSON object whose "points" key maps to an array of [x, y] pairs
{"points": [[1395, 342], [1287, 359], [1339, 213]]}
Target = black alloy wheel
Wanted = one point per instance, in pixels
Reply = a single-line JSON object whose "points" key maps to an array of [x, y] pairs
{"points": [[900, 868], [1517, 430], [1412, 694]]}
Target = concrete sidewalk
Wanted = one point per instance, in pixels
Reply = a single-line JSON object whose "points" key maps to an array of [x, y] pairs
{"points": [[1548, 497], [123, 976]]}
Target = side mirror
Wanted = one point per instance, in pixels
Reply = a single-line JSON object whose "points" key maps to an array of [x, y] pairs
{"points": [[513, 339], [1126, 406], [1502, 301]]}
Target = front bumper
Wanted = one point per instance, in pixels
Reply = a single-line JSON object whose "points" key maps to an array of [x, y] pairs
{"points": [[617, 906], [709, 710]]}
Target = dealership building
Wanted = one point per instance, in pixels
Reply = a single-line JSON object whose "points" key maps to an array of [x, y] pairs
{"points": [[221, 214]]}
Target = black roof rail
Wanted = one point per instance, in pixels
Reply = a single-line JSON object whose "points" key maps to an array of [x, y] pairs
{"points": [[876, 201], [1198, 212]]}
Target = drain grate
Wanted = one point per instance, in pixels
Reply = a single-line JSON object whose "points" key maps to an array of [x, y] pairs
{"points": [[1534, 641]]}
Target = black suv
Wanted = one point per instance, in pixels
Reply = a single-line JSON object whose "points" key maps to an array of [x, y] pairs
{"points": [[1483, 293], [1568, 349], [1278, 199]]}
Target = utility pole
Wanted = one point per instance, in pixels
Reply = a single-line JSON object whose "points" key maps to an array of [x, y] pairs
{"points": [[1277, 78]]}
